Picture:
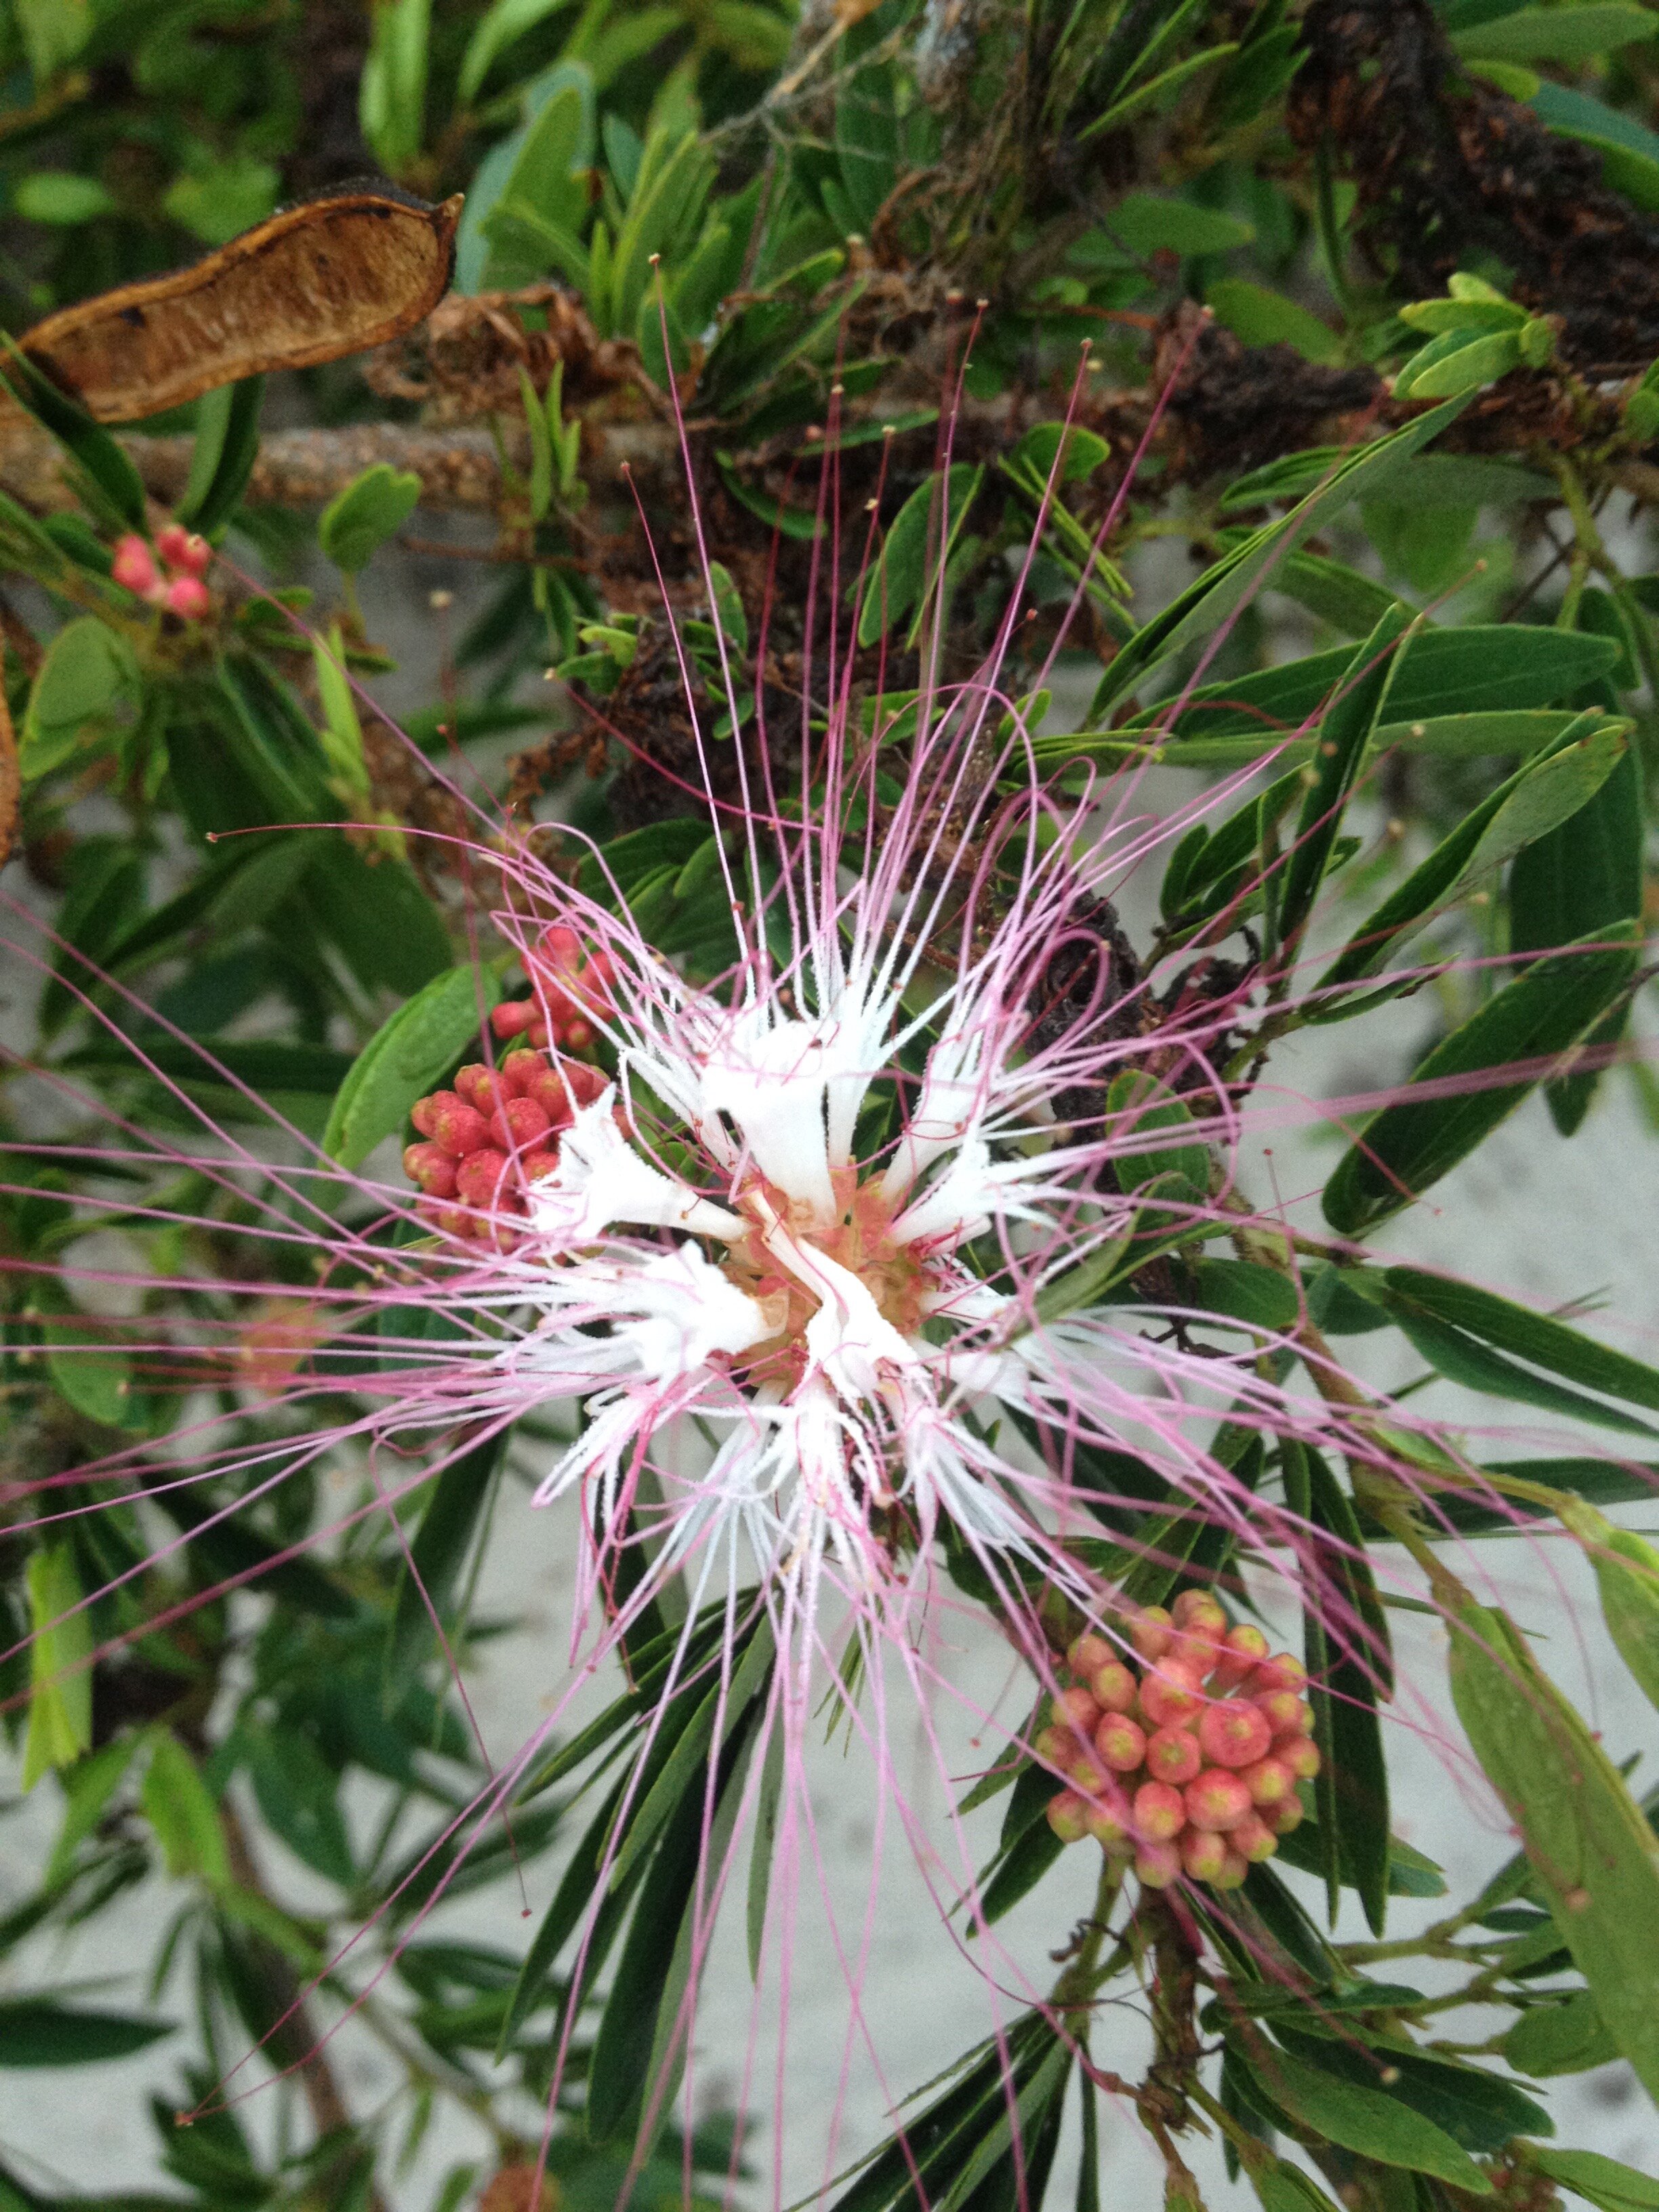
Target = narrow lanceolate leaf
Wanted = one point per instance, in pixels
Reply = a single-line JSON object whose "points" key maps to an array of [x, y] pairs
{"points": [[436, 1556], [1592, 1853], [34, 2031], [1627, 1576], [1525, 1027], [60, 1674], [1527, 1335], [1544, 792], [1344, 734]]}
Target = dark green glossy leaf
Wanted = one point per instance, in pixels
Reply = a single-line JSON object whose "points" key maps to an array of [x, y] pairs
{"points": [[34, 2031], [1560, 2038], [1536, 1337], [1360, 2116], [1603, 2182], [108, 473], [227, 446]]}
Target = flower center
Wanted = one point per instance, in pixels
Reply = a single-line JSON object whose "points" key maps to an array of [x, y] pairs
{"points": [[859, 1239]]}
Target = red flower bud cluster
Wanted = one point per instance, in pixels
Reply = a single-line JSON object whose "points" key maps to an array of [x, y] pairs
{"points": [[176, 584], [1184, 1752], [566, 990], [495, 1132]]}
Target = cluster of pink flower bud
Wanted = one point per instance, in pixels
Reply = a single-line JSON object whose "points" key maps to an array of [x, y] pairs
{"points": [[1183, 1751], [175, 584], [566, 988], [495, 1131]]}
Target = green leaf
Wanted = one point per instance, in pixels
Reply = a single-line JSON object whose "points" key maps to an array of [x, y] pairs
{"points": [[1362, 2119], [1480, 2111], [1146, 223], [221, 460], [1261, 317], [88, 1788], [1458, 361], [1545, 792], [1410, 1144], [1593, 1855], [298, 1793], [224, 197], [108, 476], [1548, 1343], [1488, 666], [87, 677], [357, 521], [1344, 734], [376, 912], [437, 1554], [1207, 602], [1139, 1106], [1568, 2037], [905, 576], [392, 91], [407, 1057], [60, 1665], [181, 1809], [1569, 35], [34, 2032], [1629, 150], [1338, 594], [54, 196], [1627, 1577], [88, 1366], [1246, 1291], [497, 29], [1603, 2182]]}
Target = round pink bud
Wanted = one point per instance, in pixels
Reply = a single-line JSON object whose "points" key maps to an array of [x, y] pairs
{"points": [[1115, 1686], [1172, 1755], [1160, 1812], [1233, 1733], [1252, 1840], [1157, 1864], [518, 1124], [480, 1176], [511, 1018], [174, 543], [134, 565], [1283, 1819], [1088, 1775], [1299, 1754], [460, 1129], [522, 1070], [1075, 1709], [1055, 1748], [1245, 1649], [188, 596], [1150, 1632], [1120, 1743], [1216, 1800], [537, 1163], [1286, 1713], [1281, 1672], [1269, 1782], [1199, 1608], [1109, 1829], [1172, 1692], [1235, 1870], [1088, 1653], [1202, 1854], [1066, 1816], [432, 1168], [481, 1087]]}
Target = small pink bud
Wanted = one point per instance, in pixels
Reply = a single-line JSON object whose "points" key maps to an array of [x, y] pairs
{"points": [[1157, 1864], [1120, 1743], [1115, 1686], [1299, 1754], [1056, 1748], [1202, 1854], [1252, 1840], [134, 565], [1075, 1709], [1172, 1692], [1109, 1828], [1283, 1819], [537, 1163], [182, 548], [1240, 1655], [188, 596], [1281, 1672], [1159, 1811], [1284, 1712], [1150, 1632], [480, 1176], [1172, 1755], [1216, 1800], [519, 1123], [1089, 1654], [1234, 1733], [511, 1018], [432, 1168], [1068, 1816], [522, 1070], [1235, 1871], [460, 1129], [1199, 1608], [1269, 1782]]}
